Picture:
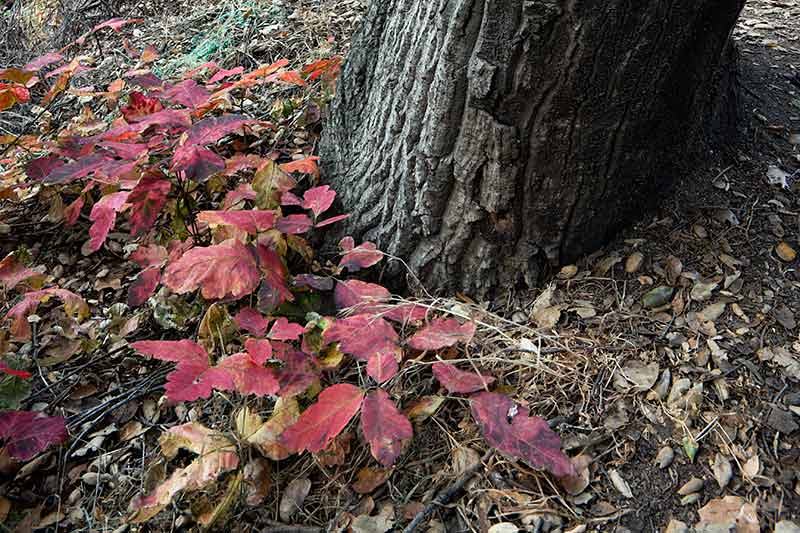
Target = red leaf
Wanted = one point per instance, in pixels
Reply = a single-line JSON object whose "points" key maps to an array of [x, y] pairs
{"points": [[147, 199], [294, 224], [13, 272], [251, 321], [187, 93], [247, 369], [140, 106], [127, 151], [358, 257], [77, 169], [38, 168], [116, 23], [459, 381], [298, 371], [307, 165], [26, 433], [318, 199], [359, 294], [43, 61], [73, 305], [273, 291], [222, 74], [221, 271], [521, 436], [310, 280], [193, 376], [283, 330], [442, 333], [382, 367], [291, 76], [250, 221], [5, 369], [104, 215], [73, 211], [323, 421], [143, 286], [197, 163], [329, 221], [385, 428], [149, 256], [362, 336]]}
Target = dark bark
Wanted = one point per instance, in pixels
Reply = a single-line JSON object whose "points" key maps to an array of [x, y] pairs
{"points": [[482, 140]]}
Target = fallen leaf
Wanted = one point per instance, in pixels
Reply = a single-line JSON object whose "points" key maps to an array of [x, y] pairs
{"points": [[292, 497], [729, 512]]}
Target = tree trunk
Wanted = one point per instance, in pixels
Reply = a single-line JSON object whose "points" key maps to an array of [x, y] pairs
{"points": [[482, 140]]}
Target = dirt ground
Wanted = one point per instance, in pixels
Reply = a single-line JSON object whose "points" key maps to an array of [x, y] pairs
{"points": [[669, 361]]}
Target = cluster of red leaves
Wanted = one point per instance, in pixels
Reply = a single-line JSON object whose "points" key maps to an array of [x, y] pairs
{"points": [[152, 165]]}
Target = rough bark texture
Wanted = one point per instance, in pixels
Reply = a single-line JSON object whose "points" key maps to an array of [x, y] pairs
{"points": [[481, 140]]}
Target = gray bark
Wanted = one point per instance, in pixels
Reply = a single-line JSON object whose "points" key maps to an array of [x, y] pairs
{"points": [[483, 140]]}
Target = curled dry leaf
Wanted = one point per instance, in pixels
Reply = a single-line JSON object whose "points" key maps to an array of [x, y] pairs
{"points": [[723, 471], [368, 479], [292, 497], [577, 483], [636, 376], [619, 483], [730, 512]]}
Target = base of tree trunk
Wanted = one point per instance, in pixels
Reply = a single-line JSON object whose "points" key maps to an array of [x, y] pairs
{"points": [[484, 142]]}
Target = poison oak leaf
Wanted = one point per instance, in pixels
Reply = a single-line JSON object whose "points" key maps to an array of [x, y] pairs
{"points": [[27, 433], [459, 381], [147, 199], [298, 370], [385, 428], [292, 77], [13, 272], [128, 151], [250, 376], [251, 221], [197, 163], [270, 183], [43, 61], [140, 106], [103, 216], [283, 330], [222, 74], [73, 211], [37, 169], [187, 93], [319, 199], [382, 366], [274, 290], [357, 257], [294, 224], [358, 294], [143, 286], [324, 420], [5, 369], [149, 256], [251, 321], [193, 376], [442, 333], [515, 433], [266, 436], [315, 282], [116, 23], [220, 271], [362, 336], [329, 221], [78, 169]]}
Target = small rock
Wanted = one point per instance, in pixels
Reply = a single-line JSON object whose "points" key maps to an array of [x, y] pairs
{"points": [[620, 484], [665, 457], [504, 527], [713, 311], [699, 231], [691, 486], [723, 471], [568, 272], [634, 262], [785, 252]]}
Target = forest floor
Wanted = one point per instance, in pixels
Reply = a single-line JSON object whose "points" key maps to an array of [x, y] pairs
{"points": [[668, 362]]}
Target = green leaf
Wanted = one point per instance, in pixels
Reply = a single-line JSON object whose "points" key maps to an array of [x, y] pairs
{"points": [[13, 391]]}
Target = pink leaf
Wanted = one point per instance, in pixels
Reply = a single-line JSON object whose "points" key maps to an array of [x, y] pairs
{"points": [[362, 336], [304, 166], [318, 199], [459, 381], [294, 224], [147, 199], [149, 256], [329, 221], [251, 221], [358, 294], [385, 428], [362, 256], [521, 436], [273, 291], [382, 367], [323, 421], [222, 74], [283, 330], [77, 169], [73, 211], [193, 376], [116, 24], [197, 163], [247, 369], [38, 168], [442, 333], [251, 321], [260, 350], [13, 272], [43, 61], [221, 271], [143, 286], [188, 93], [26, 433], [140, 106], [104, 215], [298, 371]]}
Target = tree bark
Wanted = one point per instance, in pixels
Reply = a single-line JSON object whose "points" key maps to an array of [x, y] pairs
{"points": [[482, 140]]}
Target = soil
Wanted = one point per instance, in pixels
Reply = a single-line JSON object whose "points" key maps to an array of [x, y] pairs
{"points": [[721, 224]]}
